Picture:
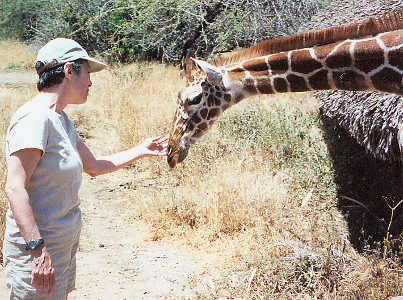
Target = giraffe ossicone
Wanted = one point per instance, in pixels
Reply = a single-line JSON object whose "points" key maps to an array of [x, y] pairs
{"points": [[357, 57]]}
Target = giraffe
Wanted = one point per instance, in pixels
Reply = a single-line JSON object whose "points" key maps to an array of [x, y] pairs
{"points": [[366, 56]]}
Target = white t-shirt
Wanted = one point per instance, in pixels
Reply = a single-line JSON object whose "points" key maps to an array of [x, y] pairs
{"points": [[53, 188]]}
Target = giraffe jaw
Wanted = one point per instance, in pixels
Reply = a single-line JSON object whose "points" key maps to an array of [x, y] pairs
{"points": [[176, 156]]}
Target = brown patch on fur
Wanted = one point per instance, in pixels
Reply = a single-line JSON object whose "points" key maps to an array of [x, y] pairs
{"points": [[278, 63], [297, 83], [368, 55], [302, 62], [350, 81], [249, 86], [264, 86], [210, 100], [322, 52], [213, 113], [203, 113], [387, 80], [395, 58], [280, 85], [319, 81], [255, 65], [340, 58]]}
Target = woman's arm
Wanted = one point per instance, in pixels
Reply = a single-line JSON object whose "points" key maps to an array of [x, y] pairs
{"points": [[21, 165], [106, 164]]}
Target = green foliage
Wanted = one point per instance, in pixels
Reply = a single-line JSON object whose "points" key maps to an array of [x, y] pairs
{"points": [[129, 30], [18, 17]]}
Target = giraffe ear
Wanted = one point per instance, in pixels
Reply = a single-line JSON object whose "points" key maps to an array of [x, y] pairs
{"points": [[189, 67], [214, 75]]}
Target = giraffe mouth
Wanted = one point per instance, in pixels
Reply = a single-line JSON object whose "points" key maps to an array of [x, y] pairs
{"points": [[176, 156]]}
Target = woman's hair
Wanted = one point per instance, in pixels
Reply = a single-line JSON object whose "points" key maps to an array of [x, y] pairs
{"points": [[55, 75]]}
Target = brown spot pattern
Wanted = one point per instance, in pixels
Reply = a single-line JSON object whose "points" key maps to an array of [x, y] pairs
{"points": [[255, 65], [340, 58], [264, 86], [297, 83], [213, 113], [368, 55], [387, 80], [210, 100], [302, 62], [202, 126], [217, 102], [195, 119], [227, 97], [350, 81], [280, 84], [203, 113], [249, 86], [319, 81], [395, 58], [322, 52], [278, 63]]}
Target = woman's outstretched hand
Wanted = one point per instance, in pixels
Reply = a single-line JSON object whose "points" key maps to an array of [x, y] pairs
{"points": [[156, 146]]}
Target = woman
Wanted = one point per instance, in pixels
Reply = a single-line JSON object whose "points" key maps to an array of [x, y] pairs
{"points": [[45, 159]]}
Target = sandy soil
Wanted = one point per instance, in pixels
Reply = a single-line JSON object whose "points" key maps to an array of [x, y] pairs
{"points": [[114, 260], [17, 78]]}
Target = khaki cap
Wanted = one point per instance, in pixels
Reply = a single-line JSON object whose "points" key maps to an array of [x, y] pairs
{"points": [[61, 50]]}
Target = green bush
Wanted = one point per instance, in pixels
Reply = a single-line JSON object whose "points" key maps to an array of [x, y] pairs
{"points": [[18, 18], [125, 31]]}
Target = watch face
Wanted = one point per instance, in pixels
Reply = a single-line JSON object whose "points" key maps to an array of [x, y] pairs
{"points": [[32, 245]]}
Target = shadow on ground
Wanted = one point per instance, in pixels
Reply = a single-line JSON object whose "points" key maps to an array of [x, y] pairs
{"points": [[367, 188]]}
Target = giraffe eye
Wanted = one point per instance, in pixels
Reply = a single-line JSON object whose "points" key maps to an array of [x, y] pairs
{"points": [[195, 100]]}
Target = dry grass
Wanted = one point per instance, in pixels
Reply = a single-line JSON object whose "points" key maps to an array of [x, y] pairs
{"points": [[256, 198], [15, 55]]}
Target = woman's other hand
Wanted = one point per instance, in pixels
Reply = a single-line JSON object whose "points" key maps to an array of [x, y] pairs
{"points": [[156, 146], [43, 273]]}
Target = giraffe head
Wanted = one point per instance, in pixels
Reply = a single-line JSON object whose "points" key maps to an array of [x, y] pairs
{"points": [[199, 104]]}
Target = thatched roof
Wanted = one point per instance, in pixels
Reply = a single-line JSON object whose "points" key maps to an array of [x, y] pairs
{"points": [[372, 119]]}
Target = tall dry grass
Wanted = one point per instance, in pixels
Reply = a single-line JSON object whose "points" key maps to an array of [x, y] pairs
{"points": [[14, 54], [255, 199]]}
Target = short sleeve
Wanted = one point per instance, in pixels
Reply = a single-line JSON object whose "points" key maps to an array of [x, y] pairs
{"points": [[28, 131]]}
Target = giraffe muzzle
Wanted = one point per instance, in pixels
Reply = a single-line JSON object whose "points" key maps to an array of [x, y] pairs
{"points": [[176, 157]]}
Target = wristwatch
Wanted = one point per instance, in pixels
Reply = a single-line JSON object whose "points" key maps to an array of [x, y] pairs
{"points": [[34, 244]]}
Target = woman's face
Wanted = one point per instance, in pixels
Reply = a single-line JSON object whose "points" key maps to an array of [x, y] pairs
{"points": [[80, 84]]}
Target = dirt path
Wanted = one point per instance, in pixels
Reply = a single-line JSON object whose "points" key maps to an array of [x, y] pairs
{"points": [[113, 260], [17, 78]]}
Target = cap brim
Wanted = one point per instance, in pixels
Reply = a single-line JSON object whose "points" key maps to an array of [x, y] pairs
{"points": [[95, 65]]}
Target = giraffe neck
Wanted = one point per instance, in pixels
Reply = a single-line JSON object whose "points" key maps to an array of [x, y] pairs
{"points": [[367, 64]]}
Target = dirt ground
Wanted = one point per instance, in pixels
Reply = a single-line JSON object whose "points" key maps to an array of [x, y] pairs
{"points": [[114, 261]]}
